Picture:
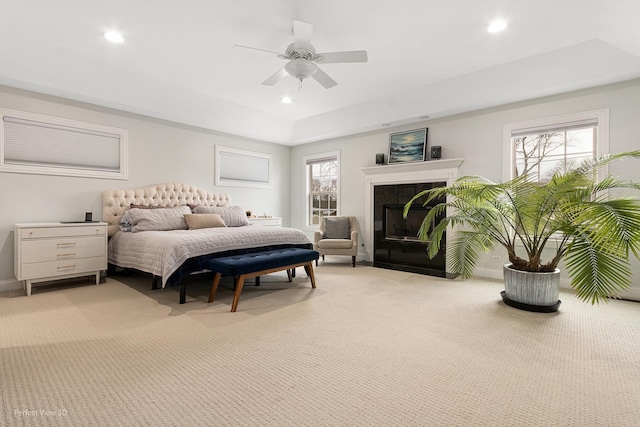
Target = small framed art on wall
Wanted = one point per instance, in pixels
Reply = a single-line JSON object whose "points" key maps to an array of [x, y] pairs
{"points": [[408, 146]]}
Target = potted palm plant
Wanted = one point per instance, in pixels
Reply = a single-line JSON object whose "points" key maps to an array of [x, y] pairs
{"points": [[574, 216]]}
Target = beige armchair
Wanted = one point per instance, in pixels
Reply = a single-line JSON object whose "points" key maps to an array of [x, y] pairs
{"points": [[337, 236]]}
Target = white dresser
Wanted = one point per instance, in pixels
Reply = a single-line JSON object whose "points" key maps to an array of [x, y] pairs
{"points": [[273, 221], [53, 250]]}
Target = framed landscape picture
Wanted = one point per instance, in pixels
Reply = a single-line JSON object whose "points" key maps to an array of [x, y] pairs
{"points": [[408, 146]]}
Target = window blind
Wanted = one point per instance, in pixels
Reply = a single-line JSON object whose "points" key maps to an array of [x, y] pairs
{"points": [[34, 143], [575, 125]]}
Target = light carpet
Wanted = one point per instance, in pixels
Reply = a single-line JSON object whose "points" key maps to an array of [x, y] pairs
{"points": [[368, 347]]}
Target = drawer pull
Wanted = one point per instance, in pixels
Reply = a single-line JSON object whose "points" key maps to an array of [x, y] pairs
{"points": [[67, 245], [66, 267], [73, 255]]}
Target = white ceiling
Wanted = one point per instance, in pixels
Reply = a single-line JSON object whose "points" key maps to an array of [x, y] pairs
{"points": [[426, 58]]}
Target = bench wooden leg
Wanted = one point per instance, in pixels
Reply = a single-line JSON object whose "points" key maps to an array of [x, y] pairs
{"points": [[309, 269], [289, 275], [214, 286], [236, 294]]}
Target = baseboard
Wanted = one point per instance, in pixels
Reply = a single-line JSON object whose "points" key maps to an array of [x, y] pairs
{"points": [[10, 285]]}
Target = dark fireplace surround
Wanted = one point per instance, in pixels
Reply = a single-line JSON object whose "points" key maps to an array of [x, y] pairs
{"points": [[395, 241], [391, 241]]}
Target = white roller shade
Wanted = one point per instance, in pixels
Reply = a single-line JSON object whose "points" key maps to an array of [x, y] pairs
{"points": [[29, 142], [45, 145], [574, 125]]}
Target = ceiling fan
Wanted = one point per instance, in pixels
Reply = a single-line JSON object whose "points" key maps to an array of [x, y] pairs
{"points": [[303, 58]]}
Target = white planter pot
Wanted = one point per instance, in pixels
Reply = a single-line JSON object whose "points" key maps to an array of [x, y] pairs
{"points": [[532, 291]]}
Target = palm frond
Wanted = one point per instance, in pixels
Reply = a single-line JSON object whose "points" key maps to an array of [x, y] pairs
{"points": [[465, 251], [596, 275]]}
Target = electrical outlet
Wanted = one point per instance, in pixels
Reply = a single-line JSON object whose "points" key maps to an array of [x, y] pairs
{"points": [[495, 258]]}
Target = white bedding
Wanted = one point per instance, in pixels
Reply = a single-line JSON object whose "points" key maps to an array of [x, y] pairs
{"points": [[162, 252]]}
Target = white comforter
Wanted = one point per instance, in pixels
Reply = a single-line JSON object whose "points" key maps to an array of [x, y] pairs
{"points": [[162, 252]]}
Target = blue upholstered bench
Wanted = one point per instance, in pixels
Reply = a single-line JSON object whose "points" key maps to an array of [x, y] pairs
{"points": [[256, 264]]}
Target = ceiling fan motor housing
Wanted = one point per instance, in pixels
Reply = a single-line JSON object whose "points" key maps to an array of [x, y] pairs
{"points": [[305, 52]]}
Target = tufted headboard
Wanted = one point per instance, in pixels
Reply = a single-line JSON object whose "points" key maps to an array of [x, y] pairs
{"points": [[116, 202]]}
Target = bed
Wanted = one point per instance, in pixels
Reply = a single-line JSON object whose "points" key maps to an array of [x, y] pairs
{"points": [[172, 252]]}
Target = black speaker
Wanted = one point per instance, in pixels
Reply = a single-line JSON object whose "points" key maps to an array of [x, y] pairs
{"points": [[380, 159], [436, 152], [88, 216]]}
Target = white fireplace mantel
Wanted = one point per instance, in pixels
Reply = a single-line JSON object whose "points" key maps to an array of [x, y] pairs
{"points": [[403, 173]]}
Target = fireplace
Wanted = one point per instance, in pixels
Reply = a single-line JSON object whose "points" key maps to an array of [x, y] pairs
{"points": [[390, 241], [396, 244]]}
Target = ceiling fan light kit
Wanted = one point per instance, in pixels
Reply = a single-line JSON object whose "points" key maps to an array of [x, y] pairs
{"points": [[303, 58], [301, 69]]}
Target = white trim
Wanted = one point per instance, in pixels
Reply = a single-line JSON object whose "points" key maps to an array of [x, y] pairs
{"points": [[602, 135], [64, 170], [255, 172], [305, 188]]}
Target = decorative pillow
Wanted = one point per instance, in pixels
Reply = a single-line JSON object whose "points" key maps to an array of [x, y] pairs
{"points": [[158, 219], [196, 221], [233, 216], [336, 228], [125, 222]]}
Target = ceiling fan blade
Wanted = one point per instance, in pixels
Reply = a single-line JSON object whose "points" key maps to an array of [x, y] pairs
{"points": [[281, 74], [324, 79], [301, 33], [334, 57], [239, 46]]}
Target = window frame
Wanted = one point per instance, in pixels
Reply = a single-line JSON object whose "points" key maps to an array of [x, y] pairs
{"points": [[601, 147], [65, 170], [314, 158]]}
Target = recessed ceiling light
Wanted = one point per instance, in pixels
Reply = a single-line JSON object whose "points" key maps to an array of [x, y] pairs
{"points": [[497, 26], [423, 117], [386, 125], [286, 100], [114, 37]]}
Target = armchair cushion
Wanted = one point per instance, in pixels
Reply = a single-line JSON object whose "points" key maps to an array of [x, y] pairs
{"points": [[335, 244], [337, 228]]}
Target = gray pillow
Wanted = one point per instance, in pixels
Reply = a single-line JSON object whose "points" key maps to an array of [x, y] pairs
{"points": [[233, 216], [336, 228], [125, 223], [158, 219]]}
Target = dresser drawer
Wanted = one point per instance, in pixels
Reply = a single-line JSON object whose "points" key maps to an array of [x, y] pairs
{"points": [[61, 268], [56, 249], [46, 232]]}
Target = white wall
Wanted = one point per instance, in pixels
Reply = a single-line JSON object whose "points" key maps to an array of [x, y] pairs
{"points": [[159, 152], [477, 137]]}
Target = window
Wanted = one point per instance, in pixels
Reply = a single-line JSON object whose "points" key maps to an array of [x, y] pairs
{"points": [[539, 148], [32, 143], [322, 189]]}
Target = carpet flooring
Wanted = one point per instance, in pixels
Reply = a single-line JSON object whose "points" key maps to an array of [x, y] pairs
{"points": [[368, 347]]}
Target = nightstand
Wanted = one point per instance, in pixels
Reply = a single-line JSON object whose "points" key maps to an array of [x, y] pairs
{"points": [[53, 250], [274, 221]]}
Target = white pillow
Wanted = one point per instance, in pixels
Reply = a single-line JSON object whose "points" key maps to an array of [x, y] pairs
{"points": [[233, 216], [158, 219]]}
